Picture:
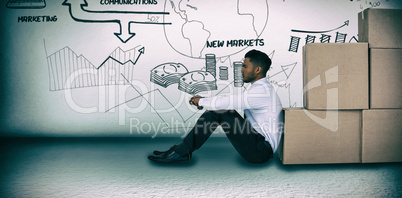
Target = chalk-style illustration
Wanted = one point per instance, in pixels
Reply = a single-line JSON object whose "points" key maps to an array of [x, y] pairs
{"points": [[161, 98], [353, 39], [283, 75], [223, 73], [191, 82], [238, 76], [67, 70], [340, 38], [286, 69], [123, 57], [294, 44], [167, 74], [79, 13], [195, 23], [310, 39], [210, 64], [346, 23], [325, 38], [142, 96], [197, 81], [26, 4]]}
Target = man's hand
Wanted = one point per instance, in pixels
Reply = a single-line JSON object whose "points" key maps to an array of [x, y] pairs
{"points": [[194, 101]]}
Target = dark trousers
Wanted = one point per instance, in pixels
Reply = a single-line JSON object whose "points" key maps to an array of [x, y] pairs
{"points": [[248, 142]]}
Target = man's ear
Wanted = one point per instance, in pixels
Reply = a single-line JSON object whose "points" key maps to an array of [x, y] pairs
{"points": [[258, 70]]}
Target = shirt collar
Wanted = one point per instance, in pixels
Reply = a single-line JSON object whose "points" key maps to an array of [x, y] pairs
{"points": [[260, 81]]}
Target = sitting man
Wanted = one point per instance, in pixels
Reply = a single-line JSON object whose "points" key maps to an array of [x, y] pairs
{"points": [[256, 136]]}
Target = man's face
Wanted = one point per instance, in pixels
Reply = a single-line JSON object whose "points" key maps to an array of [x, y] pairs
{"points": [[248, 71]]}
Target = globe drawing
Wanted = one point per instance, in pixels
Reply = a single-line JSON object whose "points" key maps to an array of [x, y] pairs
{"points": [[196, 22]]}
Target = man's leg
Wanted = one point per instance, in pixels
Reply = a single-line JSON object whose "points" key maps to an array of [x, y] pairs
{"points": [[248, 143]]}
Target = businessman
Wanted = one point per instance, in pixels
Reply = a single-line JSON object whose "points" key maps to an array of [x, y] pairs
{"points": [[255, 136]]}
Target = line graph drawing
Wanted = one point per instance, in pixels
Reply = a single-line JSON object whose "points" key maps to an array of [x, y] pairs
{"points": [[68, 70], [78, 12], [279, 79], [127, 58]]}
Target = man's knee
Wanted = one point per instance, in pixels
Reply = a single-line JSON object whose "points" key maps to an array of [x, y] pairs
{"points": [[209, 114]]}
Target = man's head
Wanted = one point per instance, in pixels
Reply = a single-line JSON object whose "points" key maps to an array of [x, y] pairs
{"points": [[255, 66]]}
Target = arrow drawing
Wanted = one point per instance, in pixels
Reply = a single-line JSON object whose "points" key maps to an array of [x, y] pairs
{"points": [[346, 23], [79, 13], [141, 51], [285, 69]]}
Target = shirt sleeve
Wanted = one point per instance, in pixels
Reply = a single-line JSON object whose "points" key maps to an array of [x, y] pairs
{"points": [[255, 98]]}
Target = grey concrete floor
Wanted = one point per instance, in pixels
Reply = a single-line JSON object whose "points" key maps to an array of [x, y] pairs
{"points": [[118, 167]]}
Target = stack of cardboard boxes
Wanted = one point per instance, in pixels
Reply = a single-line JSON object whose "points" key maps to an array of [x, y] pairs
{"points": [[352, 98], [382, 123]]}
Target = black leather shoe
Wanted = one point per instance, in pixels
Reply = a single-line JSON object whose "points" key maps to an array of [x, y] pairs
{"points": [[164, 152], [170, 157]]}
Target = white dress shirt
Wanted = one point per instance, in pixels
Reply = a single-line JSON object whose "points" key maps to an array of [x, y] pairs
{"points": [[262, 108]]}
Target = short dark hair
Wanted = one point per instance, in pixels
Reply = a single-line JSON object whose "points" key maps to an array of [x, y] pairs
{"points": [[259, 59]]}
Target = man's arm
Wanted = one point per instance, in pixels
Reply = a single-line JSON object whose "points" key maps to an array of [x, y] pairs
{"points": [[256, 98], [195, 101]]}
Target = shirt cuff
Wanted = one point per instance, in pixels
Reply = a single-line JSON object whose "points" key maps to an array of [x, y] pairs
{"points": [[204, 102]]}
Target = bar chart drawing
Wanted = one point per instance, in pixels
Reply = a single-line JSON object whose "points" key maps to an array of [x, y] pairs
{"points": [[294, 44], [325, 38], [340, 37], [313, 34]]}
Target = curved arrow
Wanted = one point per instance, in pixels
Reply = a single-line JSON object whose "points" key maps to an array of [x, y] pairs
{"points": [[123, 35], [314, 32], [78, 10]]}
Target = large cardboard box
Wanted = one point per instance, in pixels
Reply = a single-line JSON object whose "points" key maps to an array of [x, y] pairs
{"points": [[382, 135], [321, 137], [385, 78], [381, 28], [335, 76]]}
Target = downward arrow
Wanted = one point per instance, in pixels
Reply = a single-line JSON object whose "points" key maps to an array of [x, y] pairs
{"points": [[124, 35]]}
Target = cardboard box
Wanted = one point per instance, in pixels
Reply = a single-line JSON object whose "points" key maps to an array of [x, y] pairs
{"points": [[382, 135], [335, 76], [321, 137], [381, 28], [385, 78]]}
